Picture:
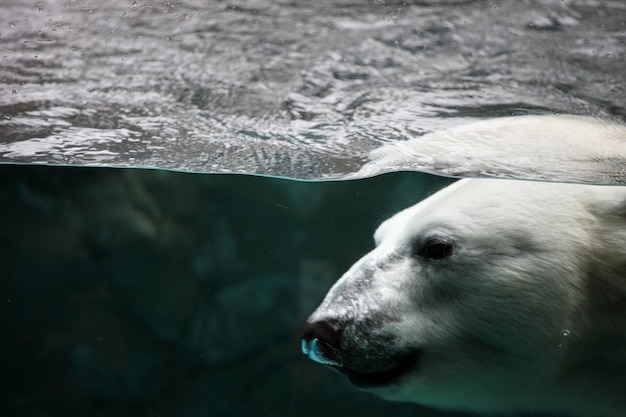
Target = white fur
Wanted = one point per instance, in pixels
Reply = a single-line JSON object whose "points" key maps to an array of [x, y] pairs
{"points": [[527, 314], [550, 147]]}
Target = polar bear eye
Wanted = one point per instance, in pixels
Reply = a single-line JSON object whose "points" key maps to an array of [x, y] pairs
{"points": [[437, 248]]}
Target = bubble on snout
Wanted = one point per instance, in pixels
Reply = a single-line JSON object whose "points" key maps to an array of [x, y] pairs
{"points": [[321, 352]]}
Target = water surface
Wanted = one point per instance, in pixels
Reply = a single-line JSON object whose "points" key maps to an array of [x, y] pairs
{"points": [[296, 89]]}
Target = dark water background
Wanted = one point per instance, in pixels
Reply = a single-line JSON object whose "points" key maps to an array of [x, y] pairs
{"points": [[293, 88], [129, 292], [153, 293]]}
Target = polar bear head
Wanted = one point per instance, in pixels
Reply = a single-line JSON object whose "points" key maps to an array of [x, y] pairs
{"points": [[491, 295]]}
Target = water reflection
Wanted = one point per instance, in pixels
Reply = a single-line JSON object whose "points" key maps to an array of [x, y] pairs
{"points": [[295, 89]]}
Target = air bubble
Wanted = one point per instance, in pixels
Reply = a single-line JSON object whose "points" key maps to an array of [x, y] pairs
{"points": [[566, 332], [321, 352]]}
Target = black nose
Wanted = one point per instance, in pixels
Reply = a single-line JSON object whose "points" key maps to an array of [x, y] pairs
{"points": [[321, 341]]}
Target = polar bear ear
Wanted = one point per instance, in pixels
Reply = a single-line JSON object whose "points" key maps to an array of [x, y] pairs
{"points": [[387, 228], [382, 231]]}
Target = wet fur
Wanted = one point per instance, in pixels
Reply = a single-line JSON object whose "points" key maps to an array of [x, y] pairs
{"points": [[528, 314]]}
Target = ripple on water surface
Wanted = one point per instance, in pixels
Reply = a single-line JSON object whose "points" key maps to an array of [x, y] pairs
{"points": [[291, 89]]}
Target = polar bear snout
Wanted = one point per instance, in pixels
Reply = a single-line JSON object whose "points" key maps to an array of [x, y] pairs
{"points": [[355, 329], [368, 360], [321, 341]]}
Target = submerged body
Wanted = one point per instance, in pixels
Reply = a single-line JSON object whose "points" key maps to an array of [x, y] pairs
{"points": [[489, 296]]}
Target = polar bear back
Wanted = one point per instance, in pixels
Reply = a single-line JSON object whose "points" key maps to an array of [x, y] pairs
{"points": [[546, 147]]}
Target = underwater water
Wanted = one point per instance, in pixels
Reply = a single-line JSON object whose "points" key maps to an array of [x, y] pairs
{"points": [[155, 293]]}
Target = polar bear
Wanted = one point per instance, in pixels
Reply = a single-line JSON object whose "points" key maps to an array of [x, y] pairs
{"points": [[492, 295]]}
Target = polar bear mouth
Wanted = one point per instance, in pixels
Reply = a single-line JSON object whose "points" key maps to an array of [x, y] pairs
{"points": [[403, 365]]}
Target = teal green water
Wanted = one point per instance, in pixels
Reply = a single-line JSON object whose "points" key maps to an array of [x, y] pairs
{"points": [[157, 293]]}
